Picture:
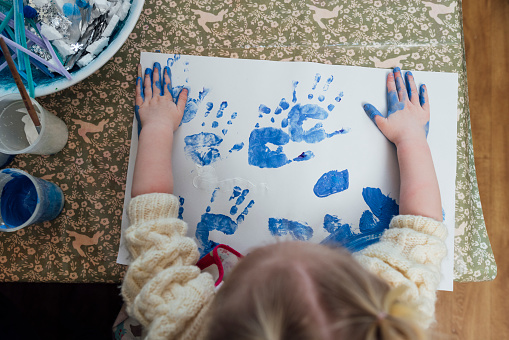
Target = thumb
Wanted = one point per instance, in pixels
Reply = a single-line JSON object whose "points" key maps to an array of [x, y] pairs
{"points": [[374, 114]]}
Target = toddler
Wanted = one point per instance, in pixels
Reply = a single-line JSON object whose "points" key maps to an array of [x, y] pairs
{"points": [[288, 290]]}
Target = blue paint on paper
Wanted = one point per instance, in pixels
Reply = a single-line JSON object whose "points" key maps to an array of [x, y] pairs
{"points": [[209, 107], [339, 232], [242, 197], [264, 109], [339, 97], [203, 124], [382, 210], [224, 131], [237, 147], [257, 125], [299, 113], [310, 96], [321, 98], [192, 106], [282, 226], [305, 156], [284, 104], [317, 80], [327, 83], [172, 60], [215, 124], [294, 97], [201, 147], [331, 182], [213, 196], [284, 123], [220, 222], [330, 107], [18, 200], [234, 115], [181, 207], [221, 109], [260, 155], [272, 120]]}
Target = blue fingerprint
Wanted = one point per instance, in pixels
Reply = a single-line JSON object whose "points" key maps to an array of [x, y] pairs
{"points": [[327, 83], [215, 124], [224, 131], [201, 147], [208, 209], [257, 125], [172, 60], [244, 212], [284, 104], [331, 182], [282, 226], [209, 107], [330, 107], [272, 119], [213, 196], [237, 147], [242, 197], [310, 96], [317, 80], [339, 97], [382, 210], [236, 192], [233, 210], [192, 106], [298, 114], [264, 109], [321, 98], [211, 222], [284, 122], [181, 207], [221, 109], [305, 156], [260, 155], [234, 115], [294, 98]]}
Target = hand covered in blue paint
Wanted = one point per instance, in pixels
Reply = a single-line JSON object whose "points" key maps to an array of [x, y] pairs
{"points": [[408, 110], [154, 101]]}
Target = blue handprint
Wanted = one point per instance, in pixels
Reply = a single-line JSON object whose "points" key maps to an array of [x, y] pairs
{"points": [[298, 230], [259, 153], [203, 147], [372, 223], [223, 223]]}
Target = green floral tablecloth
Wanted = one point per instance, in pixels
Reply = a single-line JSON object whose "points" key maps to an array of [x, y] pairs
{"points": [[81, 244]]}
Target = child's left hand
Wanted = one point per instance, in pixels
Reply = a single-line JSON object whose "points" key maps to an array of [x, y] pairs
{"points": [[154, 101]]}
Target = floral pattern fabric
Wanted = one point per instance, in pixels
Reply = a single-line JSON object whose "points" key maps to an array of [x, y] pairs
{"points": [[81, 245]]}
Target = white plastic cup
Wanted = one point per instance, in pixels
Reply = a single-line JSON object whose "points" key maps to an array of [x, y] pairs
{"points": [[26, 200], [13, 140]]}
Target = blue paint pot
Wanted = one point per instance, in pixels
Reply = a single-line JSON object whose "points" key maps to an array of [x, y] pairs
{"points": [[26, 200]]}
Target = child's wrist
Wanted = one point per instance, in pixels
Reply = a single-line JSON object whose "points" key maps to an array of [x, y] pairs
{"points": [[414, 141], [158, 128]]}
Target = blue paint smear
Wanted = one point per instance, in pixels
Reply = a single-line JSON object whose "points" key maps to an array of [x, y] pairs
{"points": [[215, 124], [298, 114], [321, 98], [172, 60], [209, 107], [317, 80], [382, 210], [192, 106], [181, 207], [393, 103], [327, 83], [260, 155], [244, 212], [339, 97], [264, 109], [213, 196], [234, 115], [18, 201], [201, 147], [331, 182], [330, 107], [257, 125], [221, 109], [282, 226], [305, 156], [422, 91], [341, 235], [294, 99], [237, 147], [229, 122]]}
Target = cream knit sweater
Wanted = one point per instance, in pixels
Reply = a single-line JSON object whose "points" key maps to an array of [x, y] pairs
{"points": [[168, 294]]}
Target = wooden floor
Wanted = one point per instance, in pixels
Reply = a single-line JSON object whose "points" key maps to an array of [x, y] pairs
{"points": [[480, 310]]}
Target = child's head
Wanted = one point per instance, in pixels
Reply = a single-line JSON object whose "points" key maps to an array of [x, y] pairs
{"points": [[300, 290]]}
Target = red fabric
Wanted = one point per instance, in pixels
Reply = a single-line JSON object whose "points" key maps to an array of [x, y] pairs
{"points": [[213, 258]]}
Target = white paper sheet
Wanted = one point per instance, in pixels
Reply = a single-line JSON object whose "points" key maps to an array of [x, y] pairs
{"points": [[283, 197]]}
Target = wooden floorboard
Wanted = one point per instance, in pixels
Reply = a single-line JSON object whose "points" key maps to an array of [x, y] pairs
{"points": [[479, 310]]}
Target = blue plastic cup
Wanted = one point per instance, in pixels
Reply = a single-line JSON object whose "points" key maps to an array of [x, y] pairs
{"points": [[26, 200]]}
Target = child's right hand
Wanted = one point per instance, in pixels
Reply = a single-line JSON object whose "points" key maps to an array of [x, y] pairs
{"points": [[408, 111]]}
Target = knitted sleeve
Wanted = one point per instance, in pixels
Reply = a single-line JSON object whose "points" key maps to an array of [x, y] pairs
{"points": [[163, 289], [410, 253]]}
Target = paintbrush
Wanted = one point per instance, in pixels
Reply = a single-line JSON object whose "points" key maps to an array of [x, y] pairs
{"points": [[21, 86]]}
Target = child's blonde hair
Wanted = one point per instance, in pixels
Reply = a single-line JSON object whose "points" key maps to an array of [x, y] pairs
{"points": [[298, 290]]}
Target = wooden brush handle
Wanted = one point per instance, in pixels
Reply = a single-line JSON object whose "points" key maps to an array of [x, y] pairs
{"points": [[19, 83]]}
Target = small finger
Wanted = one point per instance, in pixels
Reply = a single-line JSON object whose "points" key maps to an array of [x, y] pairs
{"points": [[393, 103], [400, 84], [148, 83], [411, 88], [157, 79], [140, 97], [167, 82], [181, 102], [372, 112]]}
